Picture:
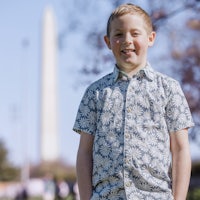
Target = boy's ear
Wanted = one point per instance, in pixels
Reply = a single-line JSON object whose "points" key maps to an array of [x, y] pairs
{"points": [[107, 41], [152, 37]]}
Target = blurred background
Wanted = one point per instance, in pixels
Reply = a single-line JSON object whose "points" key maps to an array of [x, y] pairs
{"points": [[82, 57]]}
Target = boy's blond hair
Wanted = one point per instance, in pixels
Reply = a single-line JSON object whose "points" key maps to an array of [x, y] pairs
{"points": [[130, 9]]}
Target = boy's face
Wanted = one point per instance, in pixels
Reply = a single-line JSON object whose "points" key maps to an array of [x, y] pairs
{"points": [[129, 41]]}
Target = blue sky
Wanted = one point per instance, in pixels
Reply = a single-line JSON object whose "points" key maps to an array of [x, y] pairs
{"points": [[20, 43]]}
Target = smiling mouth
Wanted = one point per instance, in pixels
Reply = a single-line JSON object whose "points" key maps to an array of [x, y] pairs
{"points": [[128, 51]]}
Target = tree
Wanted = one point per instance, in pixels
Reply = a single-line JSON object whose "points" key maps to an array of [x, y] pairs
{"points": [[184, 51], [57, 169], [7, 171]]}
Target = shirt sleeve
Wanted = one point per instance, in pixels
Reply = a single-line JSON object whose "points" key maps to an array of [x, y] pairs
{"points": [[86, 115], [178, 115]]}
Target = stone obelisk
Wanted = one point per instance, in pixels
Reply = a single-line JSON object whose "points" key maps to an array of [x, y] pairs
{"points": [[49, 115]]}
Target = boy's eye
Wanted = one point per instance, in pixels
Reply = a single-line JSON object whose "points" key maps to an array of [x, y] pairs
{"points": [[118, 34], [135, 34]]}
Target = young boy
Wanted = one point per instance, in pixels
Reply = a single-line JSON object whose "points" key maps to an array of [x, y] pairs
{"points": [[133, 122]]}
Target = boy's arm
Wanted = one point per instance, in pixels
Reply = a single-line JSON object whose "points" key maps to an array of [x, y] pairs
{"points": [[181, 164], [84, 166]]}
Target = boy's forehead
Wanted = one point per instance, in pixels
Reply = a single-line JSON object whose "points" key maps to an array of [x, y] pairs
{"points": [[126, 19]]}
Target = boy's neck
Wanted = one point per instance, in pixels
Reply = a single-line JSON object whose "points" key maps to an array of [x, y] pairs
{"points": [[131, 73]]}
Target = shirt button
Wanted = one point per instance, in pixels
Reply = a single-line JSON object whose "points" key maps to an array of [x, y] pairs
{"points": [[127, 136], [129, 110], [128, 184]]}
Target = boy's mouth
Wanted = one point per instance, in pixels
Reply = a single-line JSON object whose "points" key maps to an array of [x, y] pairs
{"points": [[128, 51]]}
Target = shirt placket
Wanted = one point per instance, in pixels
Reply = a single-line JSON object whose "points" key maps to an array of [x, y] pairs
{"points": [[128, 131]]}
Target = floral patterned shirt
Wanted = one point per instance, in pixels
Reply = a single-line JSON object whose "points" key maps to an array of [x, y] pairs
{"points": [[131, 120]]}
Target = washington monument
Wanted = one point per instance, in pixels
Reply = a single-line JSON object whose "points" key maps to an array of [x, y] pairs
{"points": [[49, 116]]}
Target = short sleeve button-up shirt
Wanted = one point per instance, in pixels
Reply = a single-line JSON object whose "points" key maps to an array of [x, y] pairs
{"points": [[131, 120]]}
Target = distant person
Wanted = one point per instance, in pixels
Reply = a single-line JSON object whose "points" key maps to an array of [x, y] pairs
{"points": [[62, 190], [24, 194], [21, 194], [49, 188], [133, 122]]}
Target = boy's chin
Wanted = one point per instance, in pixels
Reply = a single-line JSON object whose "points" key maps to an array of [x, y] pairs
{"points": [[130, 64]]}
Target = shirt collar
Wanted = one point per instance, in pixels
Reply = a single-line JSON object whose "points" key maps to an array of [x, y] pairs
{"points": [[148, 71], [115, 73]]}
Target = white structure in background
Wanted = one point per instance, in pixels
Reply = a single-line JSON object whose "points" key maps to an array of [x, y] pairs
{"points": [[49, 115]]}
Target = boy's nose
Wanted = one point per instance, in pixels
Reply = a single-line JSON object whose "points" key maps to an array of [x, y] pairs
{"points": [[127, 39]]}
